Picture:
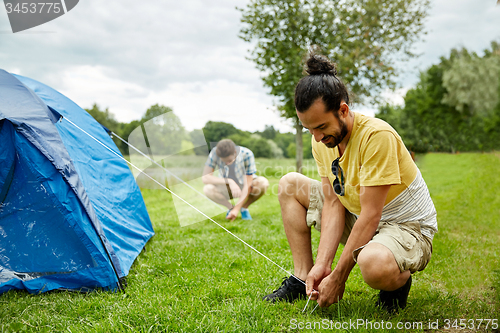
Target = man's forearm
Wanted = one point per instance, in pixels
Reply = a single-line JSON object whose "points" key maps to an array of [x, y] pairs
{"points": [[372, 201], [361, 234], [243, 197], [332, 228], [211, 179]]}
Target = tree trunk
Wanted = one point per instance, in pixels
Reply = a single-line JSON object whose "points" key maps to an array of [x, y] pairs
{"points": [[299, 153]]}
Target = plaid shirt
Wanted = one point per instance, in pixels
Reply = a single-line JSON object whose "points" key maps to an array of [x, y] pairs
{"points": [[244, 164]]}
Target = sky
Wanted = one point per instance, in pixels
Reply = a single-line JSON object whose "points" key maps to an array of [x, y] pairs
{"points": [[127, 55]]}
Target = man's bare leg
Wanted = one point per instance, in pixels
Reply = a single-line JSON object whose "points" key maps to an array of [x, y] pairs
{"points": [[215, 195], [379, 268], [257, 190], [293, 195]]}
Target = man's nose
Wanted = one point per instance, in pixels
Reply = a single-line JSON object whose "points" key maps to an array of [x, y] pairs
{"points": [[318, 135]]}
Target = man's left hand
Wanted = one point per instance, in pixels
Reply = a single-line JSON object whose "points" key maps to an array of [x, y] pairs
{"points": [[331, 290]]}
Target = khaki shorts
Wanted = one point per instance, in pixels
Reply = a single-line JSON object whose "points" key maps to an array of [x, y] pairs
{"points": [[411, 249]]}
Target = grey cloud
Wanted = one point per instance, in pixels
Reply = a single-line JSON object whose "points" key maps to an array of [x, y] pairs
{"points": [[151, 43], [156, 43]]}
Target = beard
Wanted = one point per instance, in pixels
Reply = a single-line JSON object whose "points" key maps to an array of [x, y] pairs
{"points": [[338, 137]]}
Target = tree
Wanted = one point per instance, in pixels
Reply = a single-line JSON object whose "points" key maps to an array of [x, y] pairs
{"points": [[108, 120], [472, 81], [258, 145], [125, 133], [217, 130], [269, 132], [276, 151], [440, 114], [306, 147], [365, 37], [283, 140], [156, 111], [159, 132], [105, 118]]}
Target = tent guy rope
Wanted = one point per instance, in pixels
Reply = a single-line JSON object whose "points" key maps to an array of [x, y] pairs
{"points": [[162, 167], [199, 211]]}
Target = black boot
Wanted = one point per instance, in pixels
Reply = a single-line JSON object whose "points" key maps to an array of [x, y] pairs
{"points": [[291, 288], [394, 300]]}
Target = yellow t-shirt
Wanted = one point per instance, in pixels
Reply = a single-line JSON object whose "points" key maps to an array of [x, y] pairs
{"points": [[375, 155]]}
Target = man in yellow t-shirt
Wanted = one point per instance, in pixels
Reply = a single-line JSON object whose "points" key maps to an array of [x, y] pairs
{"points": [[371, 198]]}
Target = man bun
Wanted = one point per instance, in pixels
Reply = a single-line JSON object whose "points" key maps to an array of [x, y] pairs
{"points": [[322, 82], [318, 64]]}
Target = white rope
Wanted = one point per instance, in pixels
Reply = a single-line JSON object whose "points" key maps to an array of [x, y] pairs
{"points": [[157, 164], [199, 211]]}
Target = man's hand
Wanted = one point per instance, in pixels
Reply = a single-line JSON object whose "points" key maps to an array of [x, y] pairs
{"points": [[331, 290], [235, 189], [328, 285], [233, 214], [315, 278]]}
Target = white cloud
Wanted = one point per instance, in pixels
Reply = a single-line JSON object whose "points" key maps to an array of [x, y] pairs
{"points": [[194, 103], [86, 85], [221, 100]]}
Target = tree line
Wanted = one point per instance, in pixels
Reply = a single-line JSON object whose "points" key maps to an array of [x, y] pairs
{"points": [[166, 135], [455, 106]]}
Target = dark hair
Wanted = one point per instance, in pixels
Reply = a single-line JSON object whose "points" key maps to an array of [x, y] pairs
{"points": [[225, 148], [321, 82]]}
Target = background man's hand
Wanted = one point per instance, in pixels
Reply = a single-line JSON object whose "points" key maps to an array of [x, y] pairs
{"points": [[233, 214], [235, 189]]}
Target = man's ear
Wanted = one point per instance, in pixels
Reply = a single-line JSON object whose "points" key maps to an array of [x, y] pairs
{"points": [[343, 110]]}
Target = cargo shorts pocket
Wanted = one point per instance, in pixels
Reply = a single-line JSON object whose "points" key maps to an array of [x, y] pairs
{"points": [[409, 247]]}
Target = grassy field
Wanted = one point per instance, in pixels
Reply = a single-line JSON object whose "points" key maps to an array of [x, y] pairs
{"points": [[198, 278]]}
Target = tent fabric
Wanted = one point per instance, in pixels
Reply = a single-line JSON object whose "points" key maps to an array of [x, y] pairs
{"points": [[72, 216]]}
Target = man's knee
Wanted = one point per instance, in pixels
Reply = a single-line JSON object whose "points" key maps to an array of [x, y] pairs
{"points": [[294, 185], [259, 186], [209, 190], [377, 265], [288, 184]]}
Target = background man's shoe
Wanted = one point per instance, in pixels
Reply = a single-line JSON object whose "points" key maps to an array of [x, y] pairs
{"points": [[392, 301], [245, 214], [290, 290]]}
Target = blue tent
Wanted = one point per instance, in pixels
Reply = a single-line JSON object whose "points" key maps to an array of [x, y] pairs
{"points": [[71, 214]]}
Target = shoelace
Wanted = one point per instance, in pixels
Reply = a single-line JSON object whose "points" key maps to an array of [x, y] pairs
{"points": [[284, 283]]}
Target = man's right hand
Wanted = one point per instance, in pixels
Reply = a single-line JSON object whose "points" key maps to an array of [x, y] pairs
{"points": [[235, 189], [314, 278]]}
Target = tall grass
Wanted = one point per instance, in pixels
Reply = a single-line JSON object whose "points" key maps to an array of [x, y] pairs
{"points": [[198, 278]]}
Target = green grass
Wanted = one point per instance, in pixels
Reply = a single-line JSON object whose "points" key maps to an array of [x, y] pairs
{"points": [[198, 278]]}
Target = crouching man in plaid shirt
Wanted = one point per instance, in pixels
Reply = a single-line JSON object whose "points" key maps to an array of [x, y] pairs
{"points": [[237, 178]]}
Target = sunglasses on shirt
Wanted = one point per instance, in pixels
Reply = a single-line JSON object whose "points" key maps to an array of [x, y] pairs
{"points": [[338, 185]]}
